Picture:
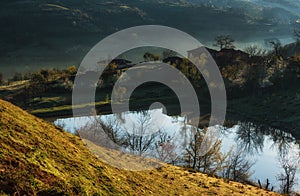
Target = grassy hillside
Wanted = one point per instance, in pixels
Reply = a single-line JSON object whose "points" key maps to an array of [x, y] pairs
{"points": [[37, 158]]}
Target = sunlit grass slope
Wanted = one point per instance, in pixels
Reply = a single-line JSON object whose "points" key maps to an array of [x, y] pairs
{"points": [[37, 158]]}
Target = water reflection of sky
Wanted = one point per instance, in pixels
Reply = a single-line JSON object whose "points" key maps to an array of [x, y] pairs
{"points": [[266, 162]]}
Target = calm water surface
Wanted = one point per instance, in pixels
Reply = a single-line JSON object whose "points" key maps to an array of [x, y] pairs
{"points": [[262, 145]]}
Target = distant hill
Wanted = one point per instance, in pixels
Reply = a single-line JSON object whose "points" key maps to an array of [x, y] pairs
{"points": [[292, 49], [37, 158], [272, 11], [57, 33]]}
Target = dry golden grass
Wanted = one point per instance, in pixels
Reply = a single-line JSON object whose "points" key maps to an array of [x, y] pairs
{"points": [[38, 158], [122, 160], [172, 180]]}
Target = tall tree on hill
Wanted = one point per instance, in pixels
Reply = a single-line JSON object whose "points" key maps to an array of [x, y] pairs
{"points": [[45, 73], [277, 48], [224, 42], [37, 85]]}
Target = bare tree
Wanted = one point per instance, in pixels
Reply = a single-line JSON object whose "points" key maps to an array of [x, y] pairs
{"points": [[165, 148], [255, 50], [289, 163], [194, 148], [209, 162], [142, 136], [103, 134], [112, 128], [224, 41], [237, 167]]}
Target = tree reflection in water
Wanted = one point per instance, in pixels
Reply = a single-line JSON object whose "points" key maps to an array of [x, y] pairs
{"points": [[251, 137], [282, 140]]}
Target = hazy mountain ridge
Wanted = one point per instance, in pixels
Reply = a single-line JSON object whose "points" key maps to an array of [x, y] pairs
{"points": [[282, 12], [95, 16], [59, 33]]}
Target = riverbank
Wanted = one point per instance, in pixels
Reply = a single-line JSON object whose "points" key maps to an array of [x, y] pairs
{"points": [[277, 110]]}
